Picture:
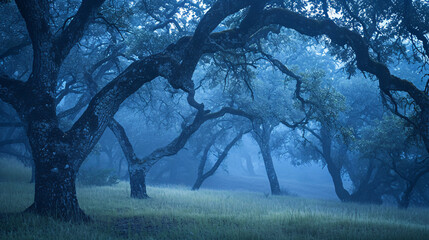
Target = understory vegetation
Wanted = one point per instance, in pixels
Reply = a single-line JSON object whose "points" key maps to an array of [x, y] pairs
{"points": [[175, 212]]}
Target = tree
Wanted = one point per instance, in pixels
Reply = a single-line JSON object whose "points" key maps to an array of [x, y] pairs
{"points": [[138, 168], [221, 155], [59, 153], [395, 145]]}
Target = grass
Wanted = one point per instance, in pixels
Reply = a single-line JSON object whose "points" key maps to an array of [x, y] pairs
{"points": [[177, 213]]}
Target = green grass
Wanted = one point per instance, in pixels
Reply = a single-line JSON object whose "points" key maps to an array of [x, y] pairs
{"points": [[176, 213]]}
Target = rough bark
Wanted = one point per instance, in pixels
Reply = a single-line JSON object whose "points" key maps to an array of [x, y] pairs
{"points": [[365, 192], [56, 161], [137, 181], [136, 172], [55, 192], [35, 99]]}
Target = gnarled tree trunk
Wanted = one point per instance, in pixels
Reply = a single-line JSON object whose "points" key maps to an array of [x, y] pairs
{"points": [[334, 170], [137, 181], [55, 192]]}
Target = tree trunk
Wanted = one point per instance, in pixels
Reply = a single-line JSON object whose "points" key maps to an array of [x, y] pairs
{"points": [[203, 176], [271, 172], [335, 173], [137, 181], [424, 131], [334, 170], [404, 200], [197, 183], [55, 192], [262, 137]]}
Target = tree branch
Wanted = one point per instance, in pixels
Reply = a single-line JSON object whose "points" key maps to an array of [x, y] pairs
{"points": [[123, 140], [36, 17], [75, 29], [224, 154]]}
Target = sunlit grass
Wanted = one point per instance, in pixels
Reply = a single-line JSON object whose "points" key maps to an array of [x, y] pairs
{"points": [[177, 213]]}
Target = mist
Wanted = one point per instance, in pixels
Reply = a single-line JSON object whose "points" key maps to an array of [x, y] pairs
{"points": [[134, 118]]}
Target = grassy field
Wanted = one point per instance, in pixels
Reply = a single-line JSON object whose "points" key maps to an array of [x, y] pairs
{"points": [[177, 213]]}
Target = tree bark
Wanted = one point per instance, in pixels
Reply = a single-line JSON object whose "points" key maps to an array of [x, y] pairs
{"points": [[271, 172], [57, 154], [136, 172], [55, 192], [137, 181], [405, 199], [197, 183], [334, 170], [262, 135], [88, 129]]}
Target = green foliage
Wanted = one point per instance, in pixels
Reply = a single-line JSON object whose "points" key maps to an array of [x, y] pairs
{"points": [[322, 96], [143, 42], [390, 136]]}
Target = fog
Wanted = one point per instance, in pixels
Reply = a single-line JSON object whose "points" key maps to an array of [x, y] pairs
{"points": [[291, 100]]}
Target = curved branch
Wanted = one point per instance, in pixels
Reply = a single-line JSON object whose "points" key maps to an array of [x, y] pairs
{"points": [[194, 49], [35, 14], [343, 36], [75, 29], [224, 154], [103, 106]]}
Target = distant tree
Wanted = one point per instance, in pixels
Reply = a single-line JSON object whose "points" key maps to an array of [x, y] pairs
{"points": [[138, 167], [58, 154], [396, 146], [221, 154]]}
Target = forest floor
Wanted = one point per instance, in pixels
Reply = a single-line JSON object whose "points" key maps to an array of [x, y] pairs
{"points": [[177, 213]]}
